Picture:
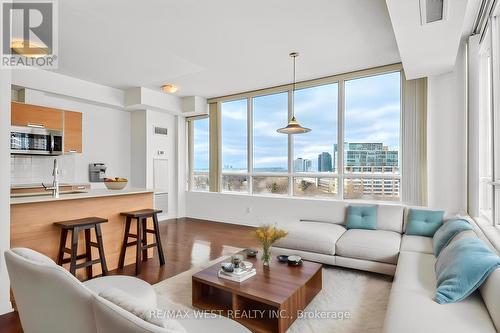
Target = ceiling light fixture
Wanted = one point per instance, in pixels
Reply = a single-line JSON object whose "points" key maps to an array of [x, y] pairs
{"points": [[169, 88], [293, 126]]}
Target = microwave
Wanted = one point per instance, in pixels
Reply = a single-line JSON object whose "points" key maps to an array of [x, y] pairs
{"points": [[35, 141]]}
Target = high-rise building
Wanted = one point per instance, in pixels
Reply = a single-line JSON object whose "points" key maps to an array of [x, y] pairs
{"points": [[367, 154], [302, 165], [369, 157], [325, 162], [307, 165]]}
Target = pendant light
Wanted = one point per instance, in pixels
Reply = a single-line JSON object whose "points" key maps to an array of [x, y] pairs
{"points": [[293, 126]]}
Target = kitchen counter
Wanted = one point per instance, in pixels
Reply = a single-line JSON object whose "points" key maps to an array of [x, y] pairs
{"points": [[93, 193], [33, 218], [39, 185]]}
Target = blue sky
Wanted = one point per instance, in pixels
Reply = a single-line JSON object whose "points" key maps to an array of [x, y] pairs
{"points": [[372, 115]]}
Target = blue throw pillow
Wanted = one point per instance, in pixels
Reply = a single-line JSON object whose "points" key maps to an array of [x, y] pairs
{"points": [[362, 217], [423, 222], [462, 267], [447, 232]]}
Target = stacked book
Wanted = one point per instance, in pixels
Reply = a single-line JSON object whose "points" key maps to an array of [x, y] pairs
{"points": [[239, 275]]}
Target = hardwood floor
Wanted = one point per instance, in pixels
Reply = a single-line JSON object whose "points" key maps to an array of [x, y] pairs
{"points": [[186, 243]]}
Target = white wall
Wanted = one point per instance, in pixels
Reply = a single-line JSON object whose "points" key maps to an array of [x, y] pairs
{"points": [[5, 95], [165, 144], [256, 210], [473, 126], [182, 168], [446, 141], [106, 138], [146, 146], [138, 148]]}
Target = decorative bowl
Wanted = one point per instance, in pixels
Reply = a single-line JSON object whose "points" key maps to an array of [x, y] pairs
{"points": [[294, 260], [250, 253], [116, 185], [282, 258]]}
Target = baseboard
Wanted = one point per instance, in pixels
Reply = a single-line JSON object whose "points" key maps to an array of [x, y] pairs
{"points": [[222, 221], [5, 307]]}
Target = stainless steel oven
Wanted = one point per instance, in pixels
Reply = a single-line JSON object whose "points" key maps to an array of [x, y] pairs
{"points": [[35, 141]]}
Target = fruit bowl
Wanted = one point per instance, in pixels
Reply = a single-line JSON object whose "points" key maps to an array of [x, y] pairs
{"points": [[115, 183]]}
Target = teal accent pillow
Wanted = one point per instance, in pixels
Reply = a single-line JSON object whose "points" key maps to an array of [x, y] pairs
{"points": [[447, 232], [423, 222], [462, 267], [362, 217]]}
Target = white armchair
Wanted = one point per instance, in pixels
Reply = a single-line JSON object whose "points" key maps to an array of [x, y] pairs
{"points": [[50, 299]]}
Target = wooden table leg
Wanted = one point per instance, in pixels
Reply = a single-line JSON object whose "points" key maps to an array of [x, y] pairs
{"points": [[74, 249], [158, 240], [100, 247], [121, 260], [88, 252], [62, 246], [138, 247]]}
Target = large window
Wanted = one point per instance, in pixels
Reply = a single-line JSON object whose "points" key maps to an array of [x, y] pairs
{"points": [[352, 152], [371, 137], [488, 187], [200, 155], [270, 148], [234, 146], [315, 152]]}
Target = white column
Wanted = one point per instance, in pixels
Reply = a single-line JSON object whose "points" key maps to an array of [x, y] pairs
{"points": [[5, 87], [446, 138], [473, 126], [181, 166]]}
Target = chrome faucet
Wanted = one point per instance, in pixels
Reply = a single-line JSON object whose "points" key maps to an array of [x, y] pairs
{"points": [[55, 183]]}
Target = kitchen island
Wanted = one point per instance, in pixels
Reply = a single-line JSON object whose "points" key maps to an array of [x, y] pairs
{"points": [[32, 219]]}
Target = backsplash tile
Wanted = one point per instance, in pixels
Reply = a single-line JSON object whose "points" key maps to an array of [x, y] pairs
{"points": [[38, 169]]}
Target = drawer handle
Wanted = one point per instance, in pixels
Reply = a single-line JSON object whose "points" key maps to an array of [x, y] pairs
{"points": [[36, 125], [80, 187], [72, 151]]}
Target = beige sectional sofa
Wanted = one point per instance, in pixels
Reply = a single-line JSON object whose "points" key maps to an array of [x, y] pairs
{"points": [[410, 259]]}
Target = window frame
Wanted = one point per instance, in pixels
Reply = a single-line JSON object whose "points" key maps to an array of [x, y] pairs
{"points": [[190, 131], [339, 174]]}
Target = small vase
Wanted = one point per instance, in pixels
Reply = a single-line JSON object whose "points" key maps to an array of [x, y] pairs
{"points": [[266, 256]]}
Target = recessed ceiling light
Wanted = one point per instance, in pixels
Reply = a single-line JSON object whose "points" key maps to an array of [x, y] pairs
{"points": [[169, 88]]}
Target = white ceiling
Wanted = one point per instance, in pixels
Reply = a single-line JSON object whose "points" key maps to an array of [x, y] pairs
{"points": [[219, 47], [430, 49]]}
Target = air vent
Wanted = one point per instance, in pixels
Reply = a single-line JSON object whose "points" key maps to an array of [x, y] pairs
{"points": [[160, 130], [432, 10]]}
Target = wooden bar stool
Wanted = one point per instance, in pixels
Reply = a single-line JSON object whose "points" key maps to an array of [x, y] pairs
{"points": [[75, 226], [141, 240]]}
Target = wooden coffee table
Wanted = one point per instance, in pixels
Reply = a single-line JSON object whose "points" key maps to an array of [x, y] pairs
{"points": [[267, 302]]}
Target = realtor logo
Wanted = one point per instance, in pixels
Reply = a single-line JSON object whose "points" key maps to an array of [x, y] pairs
{"points": [[29, 34]]}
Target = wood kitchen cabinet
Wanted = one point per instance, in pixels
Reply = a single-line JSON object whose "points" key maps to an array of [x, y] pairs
{"points": [[72, 132], [34, 115]]}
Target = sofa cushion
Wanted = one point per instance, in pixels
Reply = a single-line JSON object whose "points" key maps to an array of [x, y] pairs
{"points": [[416, 244], [376, 245], [462, 267], [411, 306], [133, 305], [447, 232], [390, 218], [362, 217], [33, 256], [422, 222], [133, 286], [312, 237]]}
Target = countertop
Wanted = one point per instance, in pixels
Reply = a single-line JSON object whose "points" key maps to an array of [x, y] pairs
{"points": [[93, 193], [49, 183]]}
